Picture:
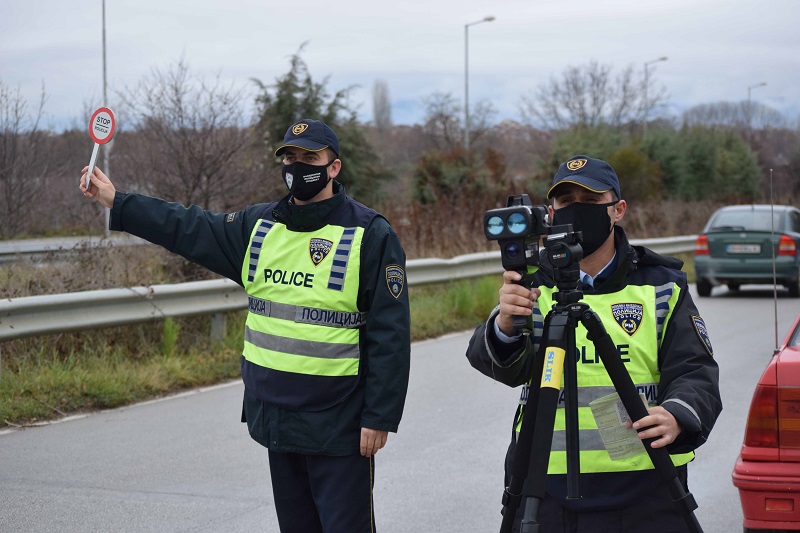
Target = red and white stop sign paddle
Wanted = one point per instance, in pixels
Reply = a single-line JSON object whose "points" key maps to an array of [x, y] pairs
{"points": [[101, 129]]}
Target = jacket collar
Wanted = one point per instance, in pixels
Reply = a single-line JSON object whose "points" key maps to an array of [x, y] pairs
{"points": [[627, 259], [309, 217]]}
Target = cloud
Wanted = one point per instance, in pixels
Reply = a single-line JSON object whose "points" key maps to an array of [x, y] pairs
{"points": [[716, 48]]}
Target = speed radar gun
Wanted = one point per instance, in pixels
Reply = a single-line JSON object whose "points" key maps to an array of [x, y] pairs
{"points": [[101, 130], [525, 237]]}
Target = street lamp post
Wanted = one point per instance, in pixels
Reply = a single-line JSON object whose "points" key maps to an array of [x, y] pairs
{"points": [[749, 109], [107, 146], [466, 77], [646, 83]]}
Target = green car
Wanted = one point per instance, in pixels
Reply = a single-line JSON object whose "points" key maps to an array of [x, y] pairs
{"points": [[740, 244]]}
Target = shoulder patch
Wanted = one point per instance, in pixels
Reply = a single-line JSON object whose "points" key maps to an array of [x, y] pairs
{"points": [[702, 333], [628, 316], [395, 280]]}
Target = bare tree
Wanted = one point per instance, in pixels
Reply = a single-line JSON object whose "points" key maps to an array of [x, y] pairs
{"points": [[743, 115], [381, 106], [442, 123], [187, 139], [590, 95], [481, 118], [24, 158]]}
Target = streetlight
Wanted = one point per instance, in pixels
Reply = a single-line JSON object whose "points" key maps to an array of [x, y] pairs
{"points": [[466, 77], [646, 83], [749, 109]]}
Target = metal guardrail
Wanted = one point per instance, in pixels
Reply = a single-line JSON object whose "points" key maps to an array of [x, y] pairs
{"points": [[39, 315], [35, 248]]}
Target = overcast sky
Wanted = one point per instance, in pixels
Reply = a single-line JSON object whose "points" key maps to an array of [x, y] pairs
{"points": [[716, 48]]}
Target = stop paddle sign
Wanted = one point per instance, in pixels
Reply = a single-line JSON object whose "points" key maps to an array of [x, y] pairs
{"points": [[101, 129]]}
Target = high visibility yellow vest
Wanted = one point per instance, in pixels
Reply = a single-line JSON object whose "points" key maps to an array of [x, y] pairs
{"points": [[303, 320], [640, 316]]}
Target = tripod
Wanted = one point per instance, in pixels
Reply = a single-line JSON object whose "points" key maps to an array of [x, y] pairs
{"points": [[532, 454]]}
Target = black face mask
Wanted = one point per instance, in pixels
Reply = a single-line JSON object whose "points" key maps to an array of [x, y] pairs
{"points": [[591, 219], [305, 181]]}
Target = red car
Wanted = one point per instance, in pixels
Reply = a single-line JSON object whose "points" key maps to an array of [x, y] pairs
{"points": [[767, 472]]}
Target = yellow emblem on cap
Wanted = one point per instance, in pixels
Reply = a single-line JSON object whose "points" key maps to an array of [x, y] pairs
{"points": [[299, 128], [575, 164]]}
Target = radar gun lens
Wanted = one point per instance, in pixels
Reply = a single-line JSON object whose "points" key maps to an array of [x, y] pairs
{"points": [[512, 250], [517, 223], [494, 225]]}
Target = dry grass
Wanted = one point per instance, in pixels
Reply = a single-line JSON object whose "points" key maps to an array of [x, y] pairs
{"points": [[86, 269], [456, 228]]}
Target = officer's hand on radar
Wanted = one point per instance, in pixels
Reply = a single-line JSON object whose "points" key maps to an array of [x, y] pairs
{"points": [[663, 424], [100, 187], [372, 440], [514, 300]]}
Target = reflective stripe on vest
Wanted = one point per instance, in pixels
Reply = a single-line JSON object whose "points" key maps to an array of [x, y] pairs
{"points": [[640, 315], [306, 315], [313, 358], [255, 246], [339, 268], [586, 395], [303, 314]]}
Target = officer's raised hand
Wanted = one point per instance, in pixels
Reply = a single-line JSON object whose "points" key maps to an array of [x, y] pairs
{"points": [[514, 300], [100, 188]]}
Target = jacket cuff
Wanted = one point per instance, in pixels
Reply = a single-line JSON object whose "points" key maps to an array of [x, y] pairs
{"points": [[502, 354], [379, 426], [691, 436], [115, 220]]}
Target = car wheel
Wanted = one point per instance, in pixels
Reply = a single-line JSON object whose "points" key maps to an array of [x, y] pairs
{"points": [[703, 287], [734, 286]]}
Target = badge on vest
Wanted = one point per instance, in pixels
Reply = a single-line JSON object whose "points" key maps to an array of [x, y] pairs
{"points": [[395, 280], [628, 316], [702, 332], [318, 249]]}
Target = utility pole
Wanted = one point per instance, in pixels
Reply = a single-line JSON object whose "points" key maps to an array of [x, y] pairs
{"points": [[466, 78], [749, 108], [646, 103]]}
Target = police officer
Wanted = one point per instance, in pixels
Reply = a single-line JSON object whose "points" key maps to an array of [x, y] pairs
{"points": [[644, 303], [326, 353]]}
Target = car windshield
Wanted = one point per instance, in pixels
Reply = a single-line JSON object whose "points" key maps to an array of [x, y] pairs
{"points": [[757, 220], [795, 340]]}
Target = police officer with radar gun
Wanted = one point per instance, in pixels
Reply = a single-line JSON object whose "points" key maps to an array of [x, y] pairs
{"points": [[326, 353], [643, 301]]}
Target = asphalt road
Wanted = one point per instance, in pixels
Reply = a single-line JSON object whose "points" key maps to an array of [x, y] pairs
{"points": [[186, 464]]}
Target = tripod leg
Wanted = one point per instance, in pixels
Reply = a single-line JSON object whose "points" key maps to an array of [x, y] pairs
{"points": [[558, 330], [630, 399], [550, 388], [512, 496], [532, 453]]}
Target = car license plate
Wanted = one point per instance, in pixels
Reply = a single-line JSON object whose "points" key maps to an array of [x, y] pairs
{"points": [[743, 248]]}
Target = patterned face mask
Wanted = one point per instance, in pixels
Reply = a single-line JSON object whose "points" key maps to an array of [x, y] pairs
{"points": [[305, 181]]}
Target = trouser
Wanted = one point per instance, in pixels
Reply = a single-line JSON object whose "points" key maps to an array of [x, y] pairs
{"points": [[323, 493]]}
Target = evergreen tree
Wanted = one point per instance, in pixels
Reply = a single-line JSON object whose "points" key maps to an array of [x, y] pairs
{"points": [[295, 96], [719, 165]]}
